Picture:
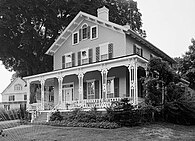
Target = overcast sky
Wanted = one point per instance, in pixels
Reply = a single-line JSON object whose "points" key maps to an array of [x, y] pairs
{"points": [[169, 25]]}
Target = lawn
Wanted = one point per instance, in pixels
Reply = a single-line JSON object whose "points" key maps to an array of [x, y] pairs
{"points": [[161, 131]]}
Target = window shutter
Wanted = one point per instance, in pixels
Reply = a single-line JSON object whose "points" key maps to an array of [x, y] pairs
{"points": [[79, 58], [90, 56], [116, 87], [84, 90], [96, 89], [88, 32], [97, 54], [73, 59], [63, 62], [141, 52], [80, 34], [110, 50], [134, 49]]}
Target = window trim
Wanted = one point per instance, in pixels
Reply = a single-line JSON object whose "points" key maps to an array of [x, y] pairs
{"points": [[70, 53], [91, 33], [87, 50], [77, 38], [83, 32], [101, 45], [90, 81]]}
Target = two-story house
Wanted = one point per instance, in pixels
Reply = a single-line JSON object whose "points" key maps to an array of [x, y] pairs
{"points": [[15, 95], [95, 62]]}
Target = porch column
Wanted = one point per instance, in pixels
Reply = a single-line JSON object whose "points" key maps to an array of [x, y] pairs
{"points": [[80, 77], [133, 82], [28, 93], [104, 73], [60, 80], [42, 93]]}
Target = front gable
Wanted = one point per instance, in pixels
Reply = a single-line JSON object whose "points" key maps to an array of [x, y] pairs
{"points": [[103, 35], [16, 86]]}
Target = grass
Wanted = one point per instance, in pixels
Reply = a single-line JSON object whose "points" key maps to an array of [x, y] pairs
{"points": [[158, 131]]}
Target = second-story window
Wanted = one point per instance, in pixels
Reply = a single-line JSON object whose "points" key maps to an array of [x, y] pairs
{"points": [[104, 51], [11, 98], [25, 97], [85, 56], [75, 38], [68, 60], [138, 50]]}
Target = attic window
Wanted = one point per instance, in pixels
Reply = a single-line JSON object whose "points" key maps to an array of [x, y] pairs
{"points": [[17, 87], [84, 31], [94, 32]]}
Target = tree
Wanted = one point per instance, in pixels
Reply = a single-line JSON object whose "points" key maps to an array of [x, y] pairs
{"points": [[186, 65], [29, 27]]}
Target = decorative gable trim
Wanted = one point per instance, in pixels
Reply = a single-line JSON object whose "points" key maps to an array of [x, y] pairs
{"points": [[75, 23]]}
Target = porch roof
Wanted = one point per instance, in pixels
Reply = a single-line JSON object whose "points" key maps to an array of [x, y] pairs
{"points": [[120, 61]]}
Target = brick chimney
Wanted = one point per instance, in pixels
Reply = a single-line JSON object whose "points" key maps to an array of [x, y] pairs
{"points": [[103, 13]]}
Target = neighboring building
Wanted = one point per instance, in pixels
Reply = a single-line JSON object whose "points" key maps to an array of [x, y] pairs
{"points": [[15, 95], [95, 62]]}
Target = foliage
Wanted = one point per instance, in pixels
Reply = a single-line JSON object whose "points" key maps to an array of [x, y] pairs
{"points": [[186, 65], [64, 123], [14, 114], [56, 116], [29, 27], [123, 113]]}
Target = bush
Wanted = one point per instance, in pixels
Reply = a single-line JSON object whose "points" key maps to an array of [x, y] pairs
{"points": [[56, 116], [104, 125]]}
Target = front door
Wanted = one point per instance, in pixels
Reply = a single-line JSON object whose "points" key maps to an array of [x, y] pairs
{"points": [[67, 93]]}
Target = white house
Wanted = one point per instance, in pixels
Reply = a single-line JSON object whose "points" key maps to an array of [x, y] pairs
{"points": [[95, 62], [15, 95]]}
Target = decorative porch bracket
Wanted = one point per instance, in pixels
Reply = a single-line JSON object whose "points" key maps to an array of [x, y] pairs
{"points": [[133, 81], [80, 77], [42, 93], [104, 73], [60, 80]]}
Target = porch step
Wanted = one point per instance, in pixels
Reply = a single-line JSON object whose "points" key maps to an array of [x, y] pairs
{"points": [[41, 118]]}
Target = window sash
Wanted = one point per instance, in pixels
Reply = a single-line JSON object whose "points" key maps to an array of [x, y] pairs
{"points": [[75, 38], [91, 90]]}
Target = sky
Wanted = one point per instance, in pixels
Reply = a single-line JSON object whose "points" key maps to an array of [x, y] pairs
{"points": [[169, 25]]}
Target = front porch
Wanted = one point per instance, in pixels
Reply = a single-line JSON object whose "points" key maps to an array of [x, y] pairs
{"points": [[90, 85]]}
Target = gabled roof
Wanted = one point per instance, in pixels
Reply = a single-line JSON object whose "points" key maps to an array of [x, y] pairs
{"points": [[11, 83], [75, 23], [82, 15]]}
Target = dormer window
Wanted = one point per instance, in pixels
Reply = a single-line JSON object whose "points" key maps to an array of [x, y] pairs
{"points": [[75, 38], [84, 31], [94, 32]]}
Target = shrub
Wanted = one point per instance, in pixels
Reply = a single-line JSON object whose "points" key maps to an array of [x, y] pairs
{"points": [[56, 116]]}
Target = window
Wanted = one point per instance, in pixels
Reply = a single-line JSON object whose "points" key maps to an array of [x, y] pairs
{"points": [[91, 90], [110, 87], [25, 97], [85, 56], [17, 87], [75, 38], [7, 107], [94, 32], [104, 52], [84, 31], [68, 60], [12, 98], [138, 50]]}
